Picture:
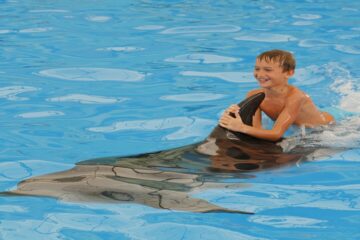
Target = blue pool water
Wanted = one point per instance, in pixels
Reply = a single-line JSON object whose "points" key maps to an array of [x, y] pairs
{"points": [[88, 79]]}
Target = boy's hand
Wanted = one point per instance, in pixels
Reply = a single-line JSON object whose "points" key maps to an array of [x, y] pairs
{"points": [[231, 119], [231, 110]]}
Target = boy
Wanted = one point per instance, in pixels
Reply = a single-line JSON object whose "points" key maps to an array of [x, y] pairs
{"points": [[283, 103]]}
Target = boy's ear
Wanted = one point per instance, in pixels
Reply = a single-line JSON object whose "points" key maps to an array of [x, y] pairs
{"points": [[290, 73]]}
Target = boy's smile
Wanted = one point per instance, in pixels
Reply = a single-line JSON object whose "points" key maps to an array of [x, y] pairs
{"points": [[270, 74]]}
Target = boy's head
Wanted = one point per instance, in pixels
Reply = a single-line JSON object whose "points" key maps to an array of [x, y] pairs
{"points": [[285, 59]]}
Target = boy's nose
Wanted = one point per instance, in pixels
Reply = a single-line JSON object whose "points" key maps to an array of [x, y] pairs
{"points": [[258, 74]]}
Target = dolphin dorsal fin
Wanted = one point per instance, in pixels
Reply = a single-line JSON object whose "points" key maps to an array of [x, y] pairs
{"points": [[249, 106]]}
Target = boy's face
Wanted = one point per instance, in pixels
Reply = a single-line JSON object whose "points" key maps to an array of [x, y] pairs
{"points": [[270, 74]]}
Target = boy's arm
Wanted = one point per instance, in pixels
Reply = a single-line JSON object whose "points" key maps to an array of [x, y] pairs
{"points": [[257, 117], [282, 123]]}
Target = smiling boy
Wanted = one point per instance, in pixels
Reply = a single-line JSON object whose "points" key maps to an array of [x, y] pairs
{"points": [[284, 104]]}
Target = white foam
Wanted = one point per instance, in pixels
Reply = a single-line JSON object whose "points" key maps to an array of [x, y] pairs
{"points": [[149, 27], [86, 99], [10, 93], [307, 16], [346, 86], [121, 49], [202, 29], [350, 95], [345, 134], [201, 58], [265, 37], [41, 114], [193, 97], [187, 127], [98, 18], [93, 74], [239, 77]]}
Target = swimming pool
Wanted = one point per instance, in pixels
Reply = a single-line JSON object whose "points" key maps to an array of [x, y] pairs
{"points": [[108, 78]]}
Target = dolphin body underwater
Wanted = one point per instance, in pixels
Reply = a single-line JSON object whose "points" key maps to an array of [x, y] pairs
{"points": [[164, 179]]}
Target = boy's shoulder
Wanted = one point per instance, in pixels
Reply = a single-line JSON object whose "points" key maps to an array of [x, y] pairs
{"points": [[296, 92]]}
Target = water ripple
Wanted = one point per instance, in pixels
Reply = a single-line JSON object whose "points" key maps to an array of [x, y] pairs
{"points": [[86, 99], [309, 75], [239, 77], [193, 97], [10, 171], [189, 127], [307, 16], [41, 114], [99, 19], [308, 43], [347, 49], [265, 37], [121, 49], [287, 221], [201, 58], [35, 30], [202, 29], [93, 74], [263, 196], [49, 11], [303, 23], [149, 27], [186, 231], [4, 31], [12, 209], [54, 224], [10, 93]]}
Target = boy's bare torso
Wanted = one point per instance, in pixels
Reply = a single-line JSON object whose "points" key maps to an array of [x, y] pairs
{"points": [[308, 115]]}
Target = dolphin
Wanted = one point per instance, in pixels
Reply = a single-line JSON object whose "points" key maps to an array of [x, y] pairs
{"points": [[165, 179]]}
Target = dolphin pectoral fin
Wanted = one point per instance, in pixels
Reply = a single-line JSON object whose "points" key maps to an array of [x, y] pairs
{"points": [[182, 202]]}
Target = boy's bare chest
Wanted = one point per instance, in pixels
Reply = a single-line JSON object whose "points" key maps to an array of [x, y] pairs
{"points": [[272, 108]]}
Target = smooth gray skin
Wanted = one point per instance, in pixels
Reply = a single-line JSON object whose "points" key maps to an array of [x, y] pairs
{"points": [[164, 179]]}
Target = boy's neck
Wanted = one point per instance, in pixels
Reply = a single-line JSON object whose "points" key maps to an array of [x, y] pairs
{"points": [[279, 91]]}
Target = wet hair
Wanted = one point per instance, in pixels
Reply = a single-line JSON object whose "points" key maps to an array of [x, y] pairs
{"points": [[284, 58]]}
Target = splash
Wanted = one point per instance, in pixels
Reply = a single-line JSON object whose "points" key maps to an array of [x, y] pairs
{"points": [[346, 132], [346, 86]]}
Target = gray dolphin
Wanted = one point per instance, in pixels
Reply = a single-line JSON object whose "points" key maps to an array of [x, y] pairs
{"points": [[164, 179]]}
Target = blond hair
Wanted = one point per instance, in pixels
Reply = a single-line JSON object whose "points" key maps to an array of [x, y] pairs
{"points": [[284, 58]]}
